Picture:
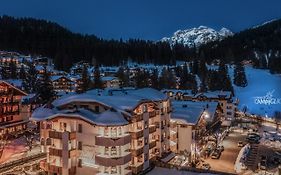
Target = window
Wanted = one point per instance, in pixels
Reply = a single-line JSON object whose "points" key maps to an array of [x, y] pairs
{"points": [[79, 145], [80, 128], [106, 131], [106, 151], [113, 170], [120, 131], [113, 151]]}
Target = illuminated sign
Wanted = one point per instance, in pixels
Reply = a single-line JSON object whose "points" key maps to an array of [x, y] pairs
{"points": [[268, 99]]}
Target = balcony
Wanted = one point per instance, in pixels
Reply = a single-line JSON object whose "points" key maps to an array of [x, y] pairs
{"points": [[152, 144], [137, 152], [137, 169], [104, 161], [55, 135], [137, 135], [55, 152], [138, 117], [72, 136], [152, 128], [152, 114], [103, 141], [73, 153]]}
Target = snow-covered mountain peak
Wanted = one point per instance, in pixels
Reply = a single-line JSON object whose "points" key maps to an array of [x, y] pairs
{"points": [[197, 36]]}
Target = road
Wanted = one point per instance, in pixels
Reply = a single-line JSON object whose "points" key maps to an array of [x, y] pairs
{"points": [[228, 157]]}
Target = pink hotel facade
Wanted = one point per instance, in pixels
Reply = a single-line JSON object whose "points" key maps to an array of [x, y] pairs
{"points": [[105, 132]]}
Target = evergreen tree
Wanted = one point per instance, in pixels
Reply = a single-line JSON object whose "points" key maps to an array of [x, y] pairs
{"points": [[22, 73], [123, 76], [97, 78], [240, 76], [31, 79], [195, 67], [141, 78], [46, 91], [13, 70], [85, 81], [154, 79], [4, 73], [164, 79]]}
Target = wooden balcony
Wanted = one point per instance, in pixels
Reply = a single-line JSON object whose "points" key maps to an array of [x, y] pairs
{"points": [[137, 169], [55, 135], [55, 152], [138, 117], [137, 135], [72, 136], [152, 128], [137, 152], [107, 161], [152, 114], [152, 144], [104, 141]]}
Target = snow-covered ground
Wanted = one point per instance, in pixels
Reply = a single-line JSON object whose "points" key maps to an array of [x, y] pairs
{"points": [[165, 171], [260, 83]]}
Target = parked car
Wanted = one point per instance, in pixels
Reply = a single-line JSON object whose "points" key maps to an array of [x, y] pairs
{"points": [[206, 166], [240, 144]]}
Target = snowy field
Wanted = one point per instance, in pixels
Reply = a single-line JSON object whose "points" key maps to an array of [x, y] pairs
{"points": [[165, 171], [260, 84]]}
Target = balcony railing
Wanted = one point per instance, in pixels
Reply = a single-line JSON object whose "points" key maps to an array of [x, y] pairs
{"points": [[152, 114], [72, 135], [103, 141], [137, 152], [152, 144], [137, 135], [55, 152], [136, 169], [152, 129], [55, 135], [113, 161], [138, 117]]}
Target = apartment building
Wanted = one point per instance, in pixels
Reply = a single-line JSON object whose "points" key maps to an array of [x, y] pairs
{"points": [[189, 121], [105, 131], [62, 83], [226, 100], [13, 116]]}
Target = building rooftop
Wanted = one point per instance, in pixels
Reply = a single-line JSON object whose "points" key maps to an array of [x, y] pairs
{"points": [[190, 111]]}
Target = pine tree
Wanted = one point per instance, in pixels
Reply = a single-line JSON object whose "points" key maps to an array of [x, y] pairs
{"points": [[164, 79], [97, 78], [85, 81], [46, 90], [154, 79], [22, 73], [240, 76], [123, 76], [31, 79], [13, 70], [195, 67], [4, 73]]}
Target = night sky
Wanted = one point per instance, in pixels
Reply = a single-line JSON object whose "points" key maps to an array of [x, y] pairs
{"points": [[145, 19]]}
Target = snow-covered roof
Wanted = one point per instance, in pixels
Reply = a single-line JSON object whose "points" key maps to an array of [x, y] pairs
{"points": [[215, 94], [108, 78], [118, 103], [191, 111]]}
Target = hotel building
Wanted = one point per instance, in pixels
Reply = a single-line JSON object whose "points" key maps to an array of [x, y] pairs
{"points": [[105, 132]]}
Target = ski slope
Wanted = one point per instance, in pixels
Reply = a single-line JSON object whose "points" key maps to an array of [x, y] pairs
{"points": [[260, 82]]}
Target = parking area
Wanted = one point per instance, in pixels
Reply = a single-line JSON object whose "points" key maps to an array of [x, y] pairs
{"points": [[225, 163]]}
